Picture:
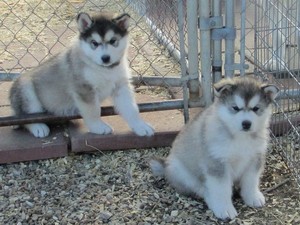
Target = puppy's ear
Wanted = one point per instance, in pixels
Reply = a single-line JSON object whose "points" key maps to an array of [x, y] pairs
{"points": [[270, 90], [84, 22], [222, 87], [122, 21]]}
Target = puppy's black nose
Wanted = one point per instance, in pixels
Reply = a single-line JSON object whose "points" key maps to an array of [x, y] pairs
{"points": [[105, 58], [246, 125]]}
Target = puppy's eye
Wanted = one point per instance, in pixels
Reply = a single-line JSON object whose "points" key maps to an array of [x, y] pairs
{"points": [[235, 108], [255, 109], [113, 42], [94, 44]]}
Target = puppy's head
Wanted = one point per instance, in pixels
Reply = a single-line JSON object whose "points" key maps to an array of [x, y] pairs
{"points": [[245, 103], [103, 38]]}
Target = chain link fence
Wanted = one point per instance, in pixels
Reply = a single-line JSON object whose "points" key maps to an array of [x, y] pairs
{"points": [[274, 55], [33, 30]]}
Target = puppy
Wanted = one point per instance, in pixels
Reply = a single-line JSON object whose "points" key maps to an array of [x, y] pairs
{"points": [[224, 145], [92, 69]]}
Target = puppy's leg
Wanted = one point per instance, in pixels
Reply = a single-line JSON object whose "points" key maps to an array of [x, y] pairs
{"points": [[126, 106], [249, 182], [218, 197], [218, 193], [31, 104], [89, 108]]}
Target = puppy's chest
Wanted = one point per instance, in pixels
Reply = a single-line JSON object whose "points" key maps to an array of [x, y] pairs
{"points": [[103, 81], [241, 155], [238, 163]]}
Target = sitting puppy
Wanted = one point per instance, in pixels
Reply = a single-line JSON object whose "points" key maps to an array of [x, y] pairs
{"points": [[224, 145], [92, 69]]}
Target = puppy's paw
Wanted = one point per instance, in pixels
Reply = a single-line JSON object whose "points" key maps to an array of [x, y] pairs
{"points": [[221, 206], [255, 199], [141, 128], [224, 212], [39, 130], [100, 128]]}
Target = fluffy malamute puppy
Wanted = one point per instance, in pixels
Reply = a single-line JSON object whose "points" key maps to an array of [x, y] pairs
{"points": [[224, 145], [93, 68]]}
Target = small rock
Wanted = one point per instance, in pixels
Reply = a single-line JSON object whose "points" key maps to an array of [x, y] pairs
{"points": [[105, 216], [13, 199], [80, 216], [30, 204], [34, 217], [109, 197], [174, 213], [55, 217]]}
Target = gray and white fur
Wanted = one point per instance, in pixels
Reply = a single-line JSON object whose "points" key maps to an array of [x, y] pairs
{"points": [[77, 80], [224, 145]]}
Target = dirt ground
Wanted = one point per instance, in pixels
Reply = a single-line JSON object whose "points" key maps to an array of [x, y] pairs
{"points": [[118, 188]]}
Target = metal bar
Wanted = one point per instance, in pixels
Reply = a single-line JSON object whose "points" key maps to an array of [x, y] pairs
{"points": [[193, 68], [289, 94], [157, 81], [164, 40], [183, 65], [206, 80], [229, 44], [8, 76], [217, 47], [297, 28], [172, 81], [105, 111], [243, 37], [255, 26]]}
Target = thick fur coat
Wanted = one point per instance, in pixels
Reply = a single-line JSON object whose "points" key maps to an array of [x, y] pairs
{"points": [[92, 69], [224, 145]]}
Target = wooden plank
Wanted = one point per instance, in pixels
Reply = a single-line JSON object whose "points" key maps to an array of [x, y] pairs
{"points": [[19, 145], [283, 126], [91, 142]]}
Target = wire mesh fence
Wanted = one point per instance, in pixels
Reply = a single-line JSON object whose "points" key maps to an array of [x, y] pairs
{"points": [[274, 25], [32, 31]]}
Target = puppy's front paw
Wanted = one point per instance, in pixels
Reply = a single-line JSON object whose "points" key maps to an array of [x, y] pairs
{"points": [[142, 129], [100, 128], [224, 212], [39, 130], [256, 199]]}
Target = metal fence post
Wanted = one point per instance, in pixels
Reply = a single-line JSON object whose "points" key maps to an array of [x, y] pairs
{"points": [[243, 38], [193, 69], [229, 43], [183, 65], [217, 46], [205, 51]]}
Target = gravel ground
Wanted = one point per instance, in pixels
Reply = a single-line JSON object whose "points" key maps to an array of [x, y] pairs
{"points": [[118, 188]]}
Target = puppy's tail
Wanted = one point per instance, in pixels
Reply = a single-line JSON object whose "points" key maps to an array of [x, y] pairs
{"points": [[158, 166]]}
